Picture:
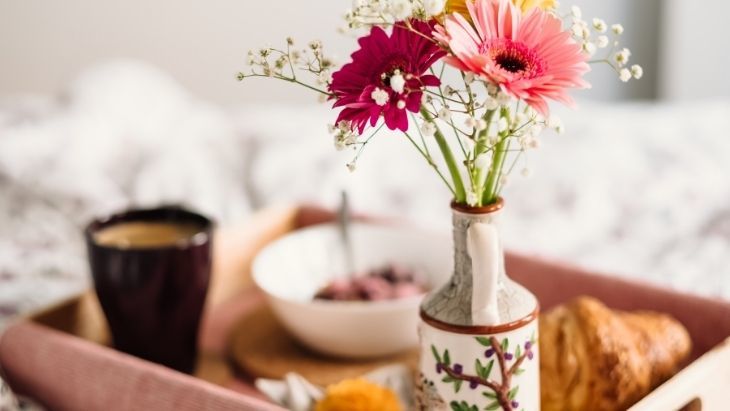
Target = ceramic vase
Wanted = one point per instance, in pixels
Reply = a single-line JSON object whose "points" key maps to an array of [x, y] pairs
{"points": [[479, 332]]}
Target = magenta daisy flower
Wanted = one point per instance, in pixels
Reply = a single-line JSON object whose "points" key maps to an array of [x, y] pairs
{"points": [[529, 57], [386, 76]]}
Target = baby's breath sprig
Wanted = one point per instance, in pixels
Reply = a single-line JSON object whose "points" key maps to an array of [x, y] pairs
{"points": [[599, 36], [384, 13], [286, 64], [492, 113]]}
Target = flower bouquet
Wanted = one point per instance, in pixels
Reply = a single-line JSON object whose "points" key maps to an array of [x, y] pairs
{"points": [[467, 83], [480, 72]]}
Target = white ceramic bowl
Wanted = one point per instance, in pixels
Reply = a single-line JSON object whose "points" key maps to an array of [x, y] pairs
{"points": [[292, 269]]}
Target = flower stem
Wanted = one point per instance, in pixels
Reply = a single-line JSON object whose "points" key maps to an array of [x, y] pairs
{"points": [[481, 148], [242, 76], [495, 172], [459, 192]]}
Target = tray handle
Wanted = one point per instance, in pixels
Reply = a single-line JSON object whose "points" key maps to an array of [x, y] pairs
{"points": [[703, 385]]}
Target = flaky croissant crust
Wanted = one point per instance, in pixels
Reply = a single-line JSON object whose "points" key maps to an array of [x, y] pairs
{"points": [[595, 358]]}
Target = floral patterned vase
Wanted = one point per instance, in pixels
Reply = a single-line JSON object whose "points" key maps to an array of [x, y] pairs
{"points": [[479, 332]]}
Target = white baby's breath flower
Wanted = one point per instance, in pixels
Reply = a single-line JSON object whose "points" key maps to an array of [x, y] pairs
{"points": [[444, 114], [468, 78], [578, 30], [503, 98], [534, 143], [526, 172], [589, 48], [471, 197], [622, 57], [602, 42], [617, 29], [380, 96], [491, 103], [397, 83], [428, 129], [339, 143], [625, 75], [401, 9], [351, 166], [599, 25], [471, 122], [380, 5], [576, 12], [433, 7], [554, 122], [637, 71]]}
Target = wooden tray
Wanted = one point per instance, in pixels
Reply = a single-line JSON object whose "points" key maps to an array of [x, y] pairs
{"points": [[261, 346], [704, 383]]}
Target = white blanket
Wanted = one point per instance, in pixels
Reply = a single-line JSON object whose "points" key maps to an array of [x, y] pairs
{"points": [[634, 189]]}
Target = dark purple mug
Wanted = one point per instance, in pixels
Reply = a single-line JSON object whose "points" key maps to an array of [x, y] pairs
{"points": [[153, 293]]}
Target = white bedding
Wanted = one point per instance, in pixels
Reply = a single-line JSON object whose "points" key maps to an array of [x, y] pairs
{"points": [[639, 190]]}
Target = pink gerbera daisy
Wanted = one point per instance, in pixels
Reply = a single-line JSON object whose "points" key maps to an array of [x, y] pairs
{"points": [[386, 76], [529, 57]]}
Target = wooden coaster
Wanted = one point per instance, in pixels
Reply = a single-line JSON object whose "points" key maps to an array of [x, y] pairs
{"points": [[261, 347]]}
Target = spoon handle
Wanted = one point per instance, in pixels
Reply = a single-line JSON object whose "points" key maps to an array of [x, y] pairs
{"points": [[344, 223]]}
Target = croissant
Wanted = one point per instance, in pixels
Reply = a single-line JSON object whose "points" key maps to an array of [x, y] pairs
{"points": [[594, 358]]}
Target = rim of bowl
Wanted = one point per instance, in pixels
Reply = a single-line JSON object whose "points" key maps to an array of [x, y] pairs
{"points": [[347, 305]]}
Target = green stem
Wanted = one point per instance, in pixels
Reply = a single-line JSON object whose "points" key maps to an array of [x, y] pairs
{"points": [[459, 192], [495, 172], [480, 148]]}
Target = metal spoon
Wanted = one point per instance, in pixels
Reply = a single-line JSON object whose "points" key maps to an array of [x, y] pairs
{"points": [[343, 220]]}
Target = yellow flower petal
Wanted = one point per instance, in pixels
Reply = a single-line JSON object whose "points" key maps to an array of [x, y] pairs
{"points": [[459, 6], [527, 5], [358, 395]]}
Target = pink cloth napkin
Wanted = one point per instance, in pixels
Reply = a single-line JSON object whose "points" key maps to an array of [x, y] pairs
{"points": [[69, 374]]}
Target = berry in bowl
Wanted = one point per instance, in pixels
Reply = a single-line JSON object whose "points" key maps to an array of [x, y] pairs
{"points": [[365, 312]]}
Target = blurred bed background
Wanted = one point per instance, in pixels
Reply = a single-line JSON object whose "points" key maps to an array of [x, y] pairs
{"points": [[104, 105]]}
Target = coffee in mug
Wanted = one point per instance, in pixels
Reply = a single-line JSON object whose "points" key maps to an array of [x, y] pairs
{"points": [[151, 270]]}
